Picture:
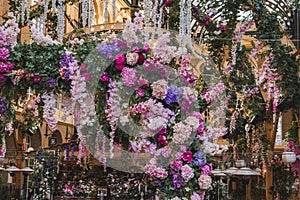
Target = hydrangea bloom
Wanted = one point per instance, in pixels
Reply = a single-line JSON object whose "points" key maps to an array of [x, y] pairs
{"points": [[173, 94], [187, 172], [4, 53], [159, 89], [204, 182]]}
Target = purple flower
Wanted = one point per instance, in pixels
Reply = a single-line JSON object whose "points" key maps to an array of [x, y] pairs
{"points": [[177, 181], [3, 107], [108, 49], [51, 82], [40, 156], [199, 159], [65, 60], [48, 164], [172, 94]]}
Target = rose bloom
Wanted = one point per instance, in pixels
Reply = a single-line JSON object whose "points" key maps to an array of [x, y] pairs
{"points": [[204, 182], [132, 58], [159, 89], [120, 59], [187, 172]]}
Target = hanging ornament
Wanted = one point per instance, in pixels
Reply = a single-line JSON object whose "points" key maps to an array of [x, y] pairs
{"points": [[60, 21], [91, 14], [45, 16], [84, 12], [28, 10], [54, 6], [23, 8], [147, 12], [114, 10], [106, 11], [154, 19], [182, 24]]}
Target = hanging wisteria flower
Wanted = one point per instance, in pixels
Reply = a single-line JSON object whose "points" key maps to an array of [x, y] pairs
{"points": [[49, 100], [68, 66]]}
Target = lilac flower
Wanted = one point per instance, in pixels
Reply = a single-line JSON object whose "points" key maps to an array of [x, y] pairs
{"points": [[48, 164], [177, 181], [108, 49], [40, 156], [172, 94], [51, 82], [66, 59]]}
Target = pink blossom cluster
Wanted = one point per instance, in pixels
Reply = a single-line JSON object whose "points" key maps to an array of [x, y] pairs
{"points": [[181, 133], [258, 47], [156, 172], [129, 76], [163, 51], [213, 92], [251, 92], [9, 32], [190, 97], [49, 100], [41, 39], [142, 146], [196, 196], [204, 182], [186, 71]]}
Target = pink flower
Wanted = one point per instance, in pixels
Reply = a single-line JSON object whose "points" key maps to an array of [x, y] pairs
{"points": [[83, 67], [4, 53], [146, 48], [120, 59], [167, 2], [206, 23], [143, 82], [159, 89], [195, 196], [207, 16], [204, 182], [136, 49], [187, 172], [206, 169], [87, 76], [104, 77], [140, 92], [222, 27], [187, 156], [132, 58], [166, 152], [176, 165], [129, 76]]}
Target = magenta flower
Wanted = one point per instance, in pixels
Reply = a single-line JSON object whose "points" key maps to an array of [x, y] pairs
{"points": [[222, 27], [104, 77], [206, 23], [119, 67], [83, 67], [146, 48], [37, 78], [187, 156], [163, 140], [207, 16], [120, 59], [4, 53]]}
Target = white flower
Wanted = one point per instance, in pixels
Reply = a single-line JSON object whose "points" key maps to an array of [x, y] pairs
{"points": [[192, 121]]}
